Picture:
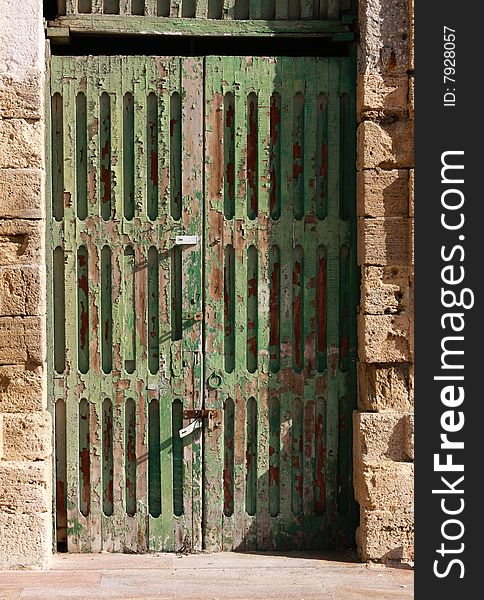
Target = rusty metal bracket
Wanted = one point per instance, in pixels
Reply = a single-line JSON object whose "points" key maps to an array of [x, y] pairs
{"points": [[213, 417]]}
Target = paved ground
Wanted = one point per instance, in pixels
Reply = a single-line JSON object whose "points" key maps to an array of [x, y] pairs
{"points": [[225, 576]]}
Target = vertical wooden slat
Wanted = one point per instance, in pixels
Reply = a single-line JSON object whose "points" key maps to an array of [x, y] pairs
{"points": [[333, 9], [307, 9], [215, 244], [255, 9], [229, 9], [202, 9], [333, 275], [282, 9], [286, 250], [175, 8], [152, 8]]}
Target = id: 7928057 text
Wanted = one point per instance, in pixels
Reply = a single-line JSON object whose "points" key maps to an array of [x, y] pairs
{"points": [[449, 56]]}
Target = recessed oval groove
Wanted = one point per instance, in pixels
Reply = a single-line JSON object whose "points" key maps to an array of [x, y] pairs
{"points": [[215, 9], [241, 10], [268, 10], [57, 140], [176, 294], [176, 156], [298, 157], [105, 155], [294, 9], [229, 308], [252, 309], [154, 459], [252, 157], [153, 311], [107, 457], [130, 460], [320, 457], [347, 157], [60, 471], [84, 6], [274, 455], [163, 8], [152, 156], [84, 458], [82, 310], [298, 309], [275, 157], [138, 7], [274, 309], [188, 8], [128, 155], [229, 457], [251, 458], [229, 155], [344, 308], [322, 157], [177, 446], [106, 310], [129, 310], [111, 7], [81, 155], [321, 309], [59, 306], [297, 457]]}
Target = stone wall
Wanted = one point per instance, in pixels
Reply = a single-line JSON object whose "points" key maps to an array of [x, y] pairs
{"points": [[383, 425], [25, 427]]}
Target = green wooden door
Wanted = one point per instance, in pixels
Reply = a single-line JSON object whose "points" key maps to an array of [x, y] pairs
{"points": [[280, 310], [202, 256]]}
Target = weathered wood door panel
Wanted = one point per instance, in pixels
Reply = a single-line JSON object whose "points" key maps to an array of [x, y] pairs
{"points": [[280, 263], [127, 139], [255, 320]]}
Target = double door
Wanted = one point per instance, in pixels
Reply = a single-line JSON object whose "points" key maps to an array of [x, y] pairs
{"points": [[202, 276]]}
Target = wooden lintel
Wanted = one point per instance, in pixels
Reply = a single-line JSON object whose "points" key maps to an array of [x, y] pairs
{"points": [[133, 25]]}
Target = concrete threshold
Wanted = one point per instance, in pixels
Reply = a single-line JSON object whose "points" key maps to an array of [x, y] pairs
{"points": [[224, 576]]}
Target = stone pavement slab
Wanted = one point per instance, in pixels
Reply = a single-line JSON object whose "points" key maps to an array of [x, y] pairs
{"points": [[224, 576]]}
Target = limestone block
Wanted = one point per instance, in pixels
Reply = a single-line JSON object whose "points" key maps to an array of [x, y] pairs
{"points": [[384, 41], [21, 242], [25, 487], [384, 387], [22, 291], [411, 192], [384, 241], [22, 340], [388, 146], [25, 540], [382, 193], [21, 144], [409, 437], [21, 95], [386, 535], [27, 436], [411, 97], [379, 437], [378, 95], [385, 290], [21, 193], [384, 486], [22, 388], [384, 338], [22, 40]]}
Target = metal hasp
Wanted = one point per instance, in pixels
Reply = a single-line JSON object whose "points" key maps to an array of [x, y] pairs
{"points": [[248, 326], [213, 418]]}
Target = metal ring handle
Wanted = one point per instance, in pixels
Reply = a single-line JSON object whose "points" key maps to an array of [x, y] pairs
{"points": [[215, 381]]}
